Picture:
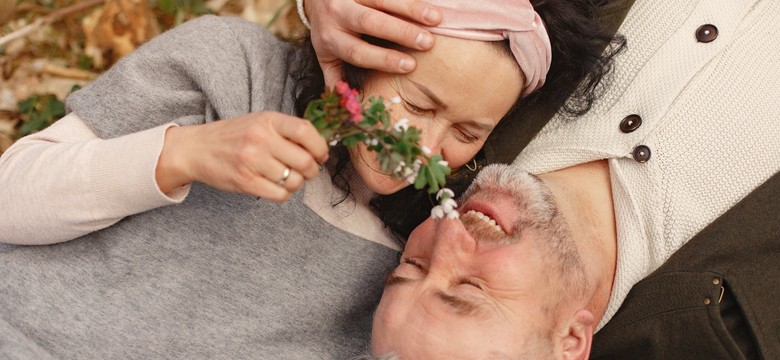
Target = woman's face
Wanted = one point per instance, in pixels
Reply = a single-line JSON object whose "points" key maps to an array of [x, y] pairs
{"points": [[458, 93]]}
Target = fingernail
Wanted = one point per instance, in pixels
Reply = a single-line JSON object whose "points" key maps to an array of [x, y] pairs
{"points": [[406, 65], [430, 15], [424, 40]]}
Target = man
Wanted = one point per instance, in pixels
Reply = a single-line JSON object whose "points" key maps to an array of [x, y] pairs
{"points": [[523, 273], [686, 132]]}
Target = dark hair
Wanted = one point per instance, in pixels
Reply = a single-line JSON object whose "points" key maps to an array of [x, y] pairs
{"points": [[579, 65]]}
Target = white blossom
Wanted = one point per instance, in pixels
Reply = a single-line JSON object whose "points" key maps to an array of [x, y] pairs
{"points": [[449, 205], [444, 163], [445, 191], [426, 150], [416, 165], [453, 214], [401, 125], [333, 142], [400, 168], [437, 212], [395, 100]]}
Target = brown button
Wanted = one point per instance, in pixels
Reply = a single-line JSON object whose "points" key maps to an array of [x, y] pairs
{"points": [[707, 301], [630, 123], [706, 33], [641, 153], [716, 281]]}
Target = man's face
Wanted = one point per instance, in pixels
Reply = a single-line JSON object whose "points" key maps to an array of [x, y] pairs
{"points": [[473, 288]]}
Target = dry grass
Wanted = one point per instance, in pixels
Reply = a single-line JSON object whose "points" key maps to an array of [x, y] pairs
{"points": [[65, 42]]}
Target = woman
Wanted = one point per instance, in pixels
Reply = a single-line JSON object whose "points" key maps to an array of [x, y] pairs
{"points": [[223, 274]]}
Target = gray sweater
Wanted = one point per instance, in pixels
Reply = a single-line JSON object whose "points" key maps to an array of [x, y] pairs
{"points": [[219, 276]]}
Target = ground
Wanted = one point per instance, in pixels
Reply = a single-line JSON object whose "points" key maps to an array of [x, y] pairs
{"points": [[48, 47]]}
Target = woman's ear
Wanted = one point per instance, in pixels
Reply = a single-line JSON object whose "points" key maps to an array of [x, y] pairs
{"points": [[578, 336]]}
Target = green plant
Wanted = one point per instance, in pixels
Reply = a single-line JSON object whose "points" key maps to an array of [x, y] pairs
{"points": [[340, 117], [183, 10], [40, 111]]}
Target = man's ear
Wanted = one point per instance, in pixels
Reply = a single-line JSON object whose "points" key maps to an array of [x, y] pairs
{"points": [[578, 336]]}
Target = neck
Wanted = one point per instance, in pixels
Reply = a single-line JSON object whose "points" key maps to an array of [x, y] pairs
{"points": [[584, 196]]}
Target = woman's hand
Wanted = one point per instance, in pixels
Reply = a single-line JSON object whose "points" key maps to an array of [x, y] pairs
{"points": [[336, 26], [247, 154]]}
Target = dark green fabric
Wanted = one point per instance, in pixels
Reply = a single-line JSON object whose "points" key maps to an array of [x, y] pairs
{"points": [[510, 137], [675, 313]]}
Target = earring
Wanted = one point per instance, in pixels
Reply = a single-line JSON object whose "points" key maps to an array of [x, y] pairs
{"points": [[474, 167]]}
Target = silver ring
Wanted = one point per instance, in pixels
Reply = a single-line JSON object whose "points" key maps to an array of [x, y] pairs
{"points": [[285, 175]]}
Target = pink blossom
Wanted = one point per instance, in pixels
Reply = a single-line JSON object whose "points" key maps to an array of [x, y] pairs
{"points": [[342, 88], [349, 100]]}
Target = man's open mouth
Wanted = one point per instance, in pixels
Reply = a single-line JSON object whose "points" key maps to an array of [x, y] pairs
{"points": [[487, 219]]}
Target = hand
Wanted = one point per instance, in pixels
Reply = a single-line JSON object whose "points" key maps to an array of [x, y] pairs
{"points": [[337, 25], [247, 154]]}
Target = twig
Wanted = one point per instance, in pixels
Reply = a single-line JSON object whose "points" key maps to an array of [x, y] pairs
{"points": [[48, 19], [71, 73]]}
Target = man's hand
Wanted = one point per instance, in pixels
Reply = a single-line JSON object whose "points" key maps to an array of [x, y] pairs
{"points": [[337, 25]]}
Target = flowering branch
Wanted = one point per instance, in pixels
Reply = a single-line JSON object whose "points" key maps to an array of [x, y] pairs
{"points": [[340, 117]]}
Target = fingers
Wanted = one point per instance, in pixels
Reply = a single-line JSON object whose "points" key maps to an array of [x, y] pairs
{"points": [[303, 133], [415, 10], [336, 25], [271, 183], [360, 53], [379, 24], [249, 154]]}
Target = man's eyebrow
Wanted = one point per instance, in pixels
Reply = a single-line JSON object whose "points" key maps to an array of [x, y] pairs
{"points": [[461, 305], [431, 95]]}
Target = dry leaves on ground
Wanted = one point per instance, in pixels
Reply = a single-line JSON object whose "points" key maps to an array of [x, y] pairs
{"points": [[48, 46]]}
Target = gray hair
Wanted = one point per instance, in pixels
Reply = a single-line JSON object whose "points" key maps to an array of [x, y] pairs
{"points": [[537, 213]]}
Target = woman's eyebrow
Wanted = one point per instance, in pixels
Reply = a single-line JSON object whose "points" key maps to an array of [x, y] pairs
{"points": [[431, 95]]}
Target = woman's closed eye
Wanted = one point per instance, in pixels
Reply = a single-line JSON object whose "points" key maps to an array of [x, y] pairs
{"points": [[464, 135], [414, 109]]}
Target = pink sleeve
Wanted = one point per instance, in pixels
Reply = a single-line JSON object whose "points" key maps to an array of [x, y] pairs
{"points": [[64, 182]]}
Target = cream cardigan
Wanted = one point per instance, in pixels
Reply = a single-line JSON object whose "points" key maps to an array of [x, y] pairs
{"points": [[709, 113]]}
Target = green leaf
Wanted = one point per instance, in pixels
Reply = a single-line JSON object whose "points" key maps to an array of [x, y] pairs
{"points": [[433, 186], [421, 179]]}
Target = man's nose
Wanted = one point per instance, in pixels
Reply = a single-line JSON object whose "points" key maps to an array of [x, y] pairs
{"points": [[453, 241]]}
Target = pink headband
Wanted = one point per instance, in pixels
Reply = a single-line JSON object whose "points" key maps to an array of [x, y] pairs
{"points": [[496, 20]]}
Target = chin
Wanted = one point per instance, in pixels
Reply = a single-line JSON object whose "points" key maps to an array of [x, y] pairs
{"points": [[380, 183]]}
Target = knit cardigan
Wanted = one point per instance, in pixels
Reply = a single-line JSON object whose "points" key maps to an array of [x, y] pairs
{"points": [[709, 125]]}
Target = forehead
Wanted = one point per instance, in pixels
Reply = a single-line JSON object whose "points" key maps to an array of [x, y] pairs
{"points": [[469, 74]]}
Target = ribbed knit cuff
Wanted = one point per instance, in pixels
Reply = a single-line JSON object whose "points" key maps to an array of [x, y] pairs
{"points": [[302, 14], [123, 174]]}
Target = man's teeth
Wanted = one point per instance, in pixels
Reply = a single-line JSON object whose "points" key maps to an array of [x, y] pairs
{"points": [[487, 219]]}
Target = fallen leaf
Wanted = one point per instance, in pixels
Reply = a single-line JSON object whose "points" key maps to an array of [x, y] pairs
{"points": [[116, 29]]}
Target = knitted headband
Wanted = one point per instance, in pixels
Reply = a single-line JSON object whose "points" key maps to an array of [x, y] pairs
{"points": [[496, 20]]}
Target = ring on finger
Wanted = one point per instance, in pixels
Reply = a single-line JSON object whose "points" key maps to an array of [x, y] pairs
{"points": [[285, 175]]}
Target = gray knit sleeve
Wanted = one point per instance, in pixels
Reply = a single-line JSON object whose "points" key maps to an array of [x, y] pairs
{"points": [[207, 69]]}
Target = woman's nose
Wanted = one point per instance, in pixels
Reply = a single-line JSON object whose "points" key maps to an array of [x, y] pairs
{"points": [[432, 137]]}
